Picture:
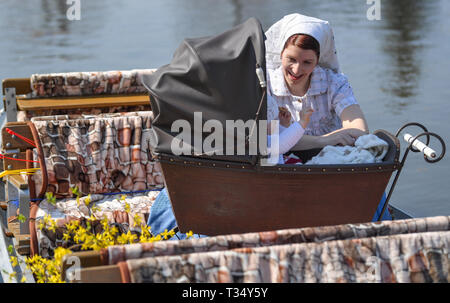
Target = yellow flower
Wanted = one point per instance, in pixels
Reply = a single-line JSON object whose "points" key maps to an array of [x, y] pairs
{"points": [[87, 200], [85, 246], [127, 238], [189, 234], [114, 231], [52, 226], [105, 223], [122, 239], [14, 261], [88, 225], [166, 234], [47, 219], [54, 279], [95, 209], [46, 270], [66, 236], [12, 276], [131, 237], [23, 280], [127, 207], [137, 220], [80, 235], [75, 191]]}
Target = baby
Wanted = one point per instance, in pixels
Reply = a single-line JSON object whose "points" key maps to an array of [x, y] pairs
{"points": [[285, 118]]}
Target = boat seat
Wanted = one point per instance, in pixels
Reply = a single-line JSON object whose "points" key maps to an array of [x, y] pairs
{"points": [[118, 260], [61, 93]]}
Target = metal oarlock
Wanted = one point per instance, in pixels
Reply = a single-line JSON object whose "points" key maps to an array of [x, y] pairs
{"points": [[415, 145]]}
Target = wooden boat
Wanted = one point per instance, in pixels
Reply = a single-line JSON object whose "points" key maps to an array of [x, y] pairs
{"points": [[214, 195], [242, 198], [182, 173]]}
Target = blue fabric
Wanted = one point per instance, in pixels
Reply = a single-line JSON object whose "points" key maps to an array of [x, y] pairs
{"points": [[386, 215], [15, 203], [162, 217]]}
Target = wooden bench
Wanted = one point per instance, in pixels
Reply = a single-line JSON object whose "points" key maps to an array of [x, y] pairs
{"points": [[15, 98], [17, 94], [88, 267], [17, 185]]}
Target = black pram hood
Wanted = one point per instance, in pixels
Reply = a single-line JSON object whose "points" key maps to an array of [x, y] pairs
{"points": [[214, 76]]}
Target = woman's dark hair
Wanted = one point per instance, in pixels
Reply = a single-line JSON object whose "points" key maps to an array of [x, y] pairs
{"points": [[305, 42]]}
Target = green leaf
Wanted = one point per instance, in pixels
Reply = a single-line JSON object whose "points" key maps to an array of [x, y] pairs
{"points": [[50, 198], [75, 191], [21, 218], [10, 249]]}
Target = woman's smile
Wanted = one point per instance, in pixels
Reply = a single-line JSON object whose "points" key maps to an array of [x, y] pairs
{"points": [[293, 77], [298, 64]]}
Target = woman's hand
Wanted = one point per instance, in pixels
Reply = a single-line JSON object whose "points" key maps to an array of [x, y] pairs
{"points": [[305, 116], [343, 136], [284, 116]]}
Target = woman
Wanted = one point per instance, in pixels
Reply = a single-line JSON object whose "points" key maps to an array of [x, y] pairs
{"points": [[303, 73]]}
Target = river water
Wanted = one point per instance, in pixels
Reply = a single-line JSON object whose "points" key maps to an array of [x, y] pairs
{"points": [[398, 66]]}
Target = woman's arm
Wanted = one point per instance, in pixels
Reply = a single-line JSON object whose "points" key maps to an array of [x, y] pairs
{"points": [[353, 117], [353, 125]]}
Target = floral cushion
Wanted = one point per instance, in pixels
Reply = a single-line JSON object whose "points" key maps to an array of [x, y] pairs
{"points": [[97, 154], [87, 83]]}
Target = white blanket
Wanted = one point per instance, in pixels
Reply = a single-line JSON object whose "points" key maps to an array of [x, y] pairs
{"points": [[367, 149]]}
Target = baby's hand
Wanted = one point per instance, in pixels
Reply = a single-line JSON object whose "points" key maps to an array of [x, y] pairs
{"points": [[305, 116], [284, 116]]}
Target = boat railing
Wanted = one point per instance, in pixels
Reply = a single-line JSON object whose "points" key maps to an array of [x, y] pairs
{"points": [[415, 145]]}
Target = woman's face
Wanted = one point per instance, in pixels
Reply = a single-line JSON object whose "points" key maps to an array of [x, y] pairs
{"points": [[297, 64]]}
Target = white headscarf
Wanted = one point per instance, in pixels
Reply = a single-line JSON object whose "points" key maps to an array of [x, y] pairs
{"points": [[292, 24]]}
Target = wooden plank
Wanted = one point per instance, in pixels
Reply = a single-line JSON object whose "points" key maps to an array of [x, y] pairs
{"points": [[100, 274], [17, 181], [87, 258], [10, 104], [9, 164], [22, 85], [14, 227], [84, 259], [82, 102], [8, 142], [23, 244]]}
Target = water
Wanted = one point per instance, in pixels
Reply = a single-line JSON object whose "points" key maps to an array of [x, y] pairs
{"points": [[398, 66]]}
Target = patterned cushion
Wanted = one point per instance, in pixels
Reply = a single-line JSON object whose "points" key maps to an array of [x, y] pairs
{"points": [[87, 83], [277, 237], [98, 154]]}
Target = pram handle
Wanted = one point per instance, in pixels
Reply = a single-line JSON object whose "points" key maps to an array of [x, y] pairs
{"points": [[425, 149], [415, 145]]}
